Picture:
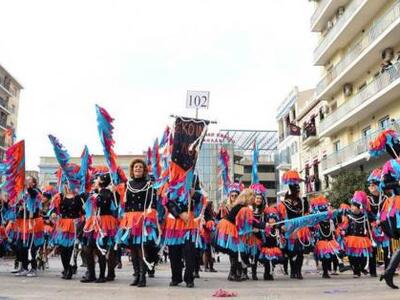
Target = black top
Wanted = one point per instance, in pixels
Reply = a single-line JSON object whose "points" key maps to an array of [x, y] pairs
{"points": [[271, 241], [357, 225], [139, 201], [374, 204], [71, 208], [324, 231], [295, 206], [231, 217], [104, 201]]}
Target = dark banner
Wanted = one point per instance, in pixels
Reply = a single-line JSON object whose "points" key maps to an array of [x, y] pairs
{"points": [[188, 136]]}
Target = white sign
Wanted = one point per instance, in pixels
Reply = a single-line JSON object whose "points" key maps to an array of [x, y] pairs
{"points": [[197, 99]]}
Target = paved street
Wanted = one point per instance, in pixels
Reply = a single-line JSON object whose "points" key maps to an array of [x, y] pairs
{"points": [[49, 285]]}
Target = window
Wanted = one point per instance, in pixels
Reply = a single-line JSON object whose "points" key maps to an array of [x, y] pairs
{"points": [[366, 132], [336, 146], [247, 169], [384, 122], [266, 168]]}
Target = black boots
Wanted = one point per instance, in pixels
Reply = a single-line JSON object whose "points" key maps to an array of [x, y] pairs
{"points": [[68, 273], [254, 271], [389, 272], [268, 276], [136, 271], [142, 274], [325, 268], [232, 272]]}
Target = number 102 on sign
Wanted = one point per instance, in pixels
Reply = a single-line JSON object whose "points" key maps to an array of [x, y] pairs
{"points": [[197, 99]]}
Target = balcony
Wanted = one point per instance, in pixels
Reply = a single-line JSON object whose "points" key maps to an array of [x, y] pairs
{"points": [[309, 134], [324, 10], [5, 86], [4, 105], [379, 92], [347, 26], [349, 155], [283, 160], [312, 185], [363, 52]]}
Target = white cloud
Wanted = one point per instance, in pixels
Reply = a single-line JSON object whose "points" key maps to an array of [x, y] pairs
{"points": [[138, 58]]}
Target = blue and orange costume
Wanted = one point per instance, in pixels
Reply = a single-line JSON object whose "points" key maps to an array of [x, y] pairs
{"points": [[293, 206], [358, 245], [379, 238], [270, 252], [326, 247]]}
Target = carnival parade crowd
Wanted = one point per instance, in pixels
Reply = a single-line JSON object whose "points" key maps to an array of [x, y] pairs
{"points": [[245, 227], [101, 212]]}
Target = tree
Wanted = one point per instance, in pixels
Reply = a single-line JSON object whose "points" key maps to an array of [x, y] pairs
{"points": [[345, 184]]}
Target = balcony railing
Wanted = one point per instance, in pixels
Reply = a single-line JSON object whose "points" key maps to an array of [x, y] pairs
{"points": [[4, 103], [349, 152], [328, 38], [379, 83], [309, 131], [321, 6], [391, 15]]}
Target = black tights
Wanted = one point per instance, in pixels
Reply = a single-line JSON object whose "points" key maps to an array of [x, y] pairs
{"points": [[90, 253], [296, 263], [66, 254], [23, 255], [326, 265], [178, 254]]}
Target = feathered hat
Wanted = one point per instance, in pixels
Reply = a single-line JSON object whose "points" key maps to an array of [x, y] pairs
{"points": [[375, 176], [271, 212], [319, 203], [259, 189], [291, 177], [387, 140], [390, 174], [235, 188], [360, 198]]}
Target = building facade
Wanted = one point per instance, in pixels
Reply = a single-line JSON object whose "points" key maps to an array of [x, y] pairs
{"points": [[48, 166], [288, 154], [239, 144], [359, 89], [10, 90]]}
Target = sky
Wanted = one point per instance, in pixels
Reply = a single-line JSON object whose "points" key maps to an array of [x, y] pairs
{"points": [[138, 59]]}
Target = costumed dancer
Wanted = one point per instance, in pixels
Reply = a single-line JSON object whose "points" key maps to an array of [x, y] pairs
{"points": [[256, 239], [381, 240], [30, 228], [100, 229], [138, 227], [390, 214], [207, 229], [3, 235], [47, 194], [358, 245], [181, 233], [233, 231], [68, 208], [234, 190], [326, 247], [293, 206], [270, 253]]}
